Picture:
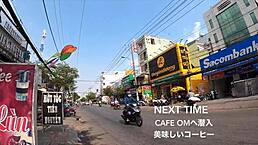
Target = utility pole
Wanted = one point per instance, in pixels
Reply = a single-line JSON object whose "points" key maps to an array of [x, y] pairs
{"points": [[134, 72]]}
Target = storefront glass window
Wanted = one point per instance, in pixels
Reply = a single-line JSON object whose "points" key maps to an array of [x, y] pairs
{"points": [[232, 25]]}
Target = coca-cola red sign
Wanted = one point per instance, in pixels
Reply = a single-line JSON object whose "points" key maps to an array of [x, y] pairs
{"points": [[16, 104]]}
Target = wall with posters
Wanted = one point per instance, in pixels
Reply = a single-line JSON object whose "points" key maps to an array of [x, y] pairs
{"points": [[17, 96]]}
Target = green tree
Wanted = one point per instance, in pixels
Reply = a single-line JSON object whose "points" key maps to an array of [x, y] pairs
{"points": [[75, 96], [64, 79], [83, 99], [91, 96], [108, 91], [119, 91]]}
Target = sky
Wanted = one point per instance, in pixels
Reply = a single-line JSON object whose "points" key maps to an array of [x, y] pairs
{"points": [[107, 25]]}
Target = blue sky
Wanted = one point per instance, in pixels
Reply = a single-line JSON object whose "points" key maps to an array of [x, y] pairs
{"points": [[107, 25]]}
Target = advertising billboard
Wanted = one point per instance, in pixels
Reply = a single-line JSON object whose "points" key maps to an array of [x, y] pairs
{"points": [[52, 108], [244, 49], [164, 64], [17, 96]]}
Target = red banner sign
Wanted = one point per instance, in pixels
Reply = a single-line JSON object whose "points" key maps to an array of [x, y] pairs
{"points": [[16, 104]]}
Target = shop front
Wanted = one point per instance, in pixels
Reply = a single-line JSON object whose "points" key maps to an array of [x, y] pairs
{"points": [[228, 70], [168, 70]]}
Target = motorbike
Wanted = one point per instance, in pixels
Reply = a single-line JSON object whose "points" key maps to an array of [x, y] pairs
{"points": [[99, 103], [116, 106], [132, 113]]}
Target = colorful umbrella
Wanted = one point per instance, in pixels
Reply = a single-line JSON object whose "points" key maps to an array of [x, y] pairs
{"points": [[176, 89]]}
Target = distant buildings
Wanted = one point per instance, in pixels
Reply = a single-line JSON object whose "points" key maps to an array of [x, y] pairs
{"points": [[112, 78]]}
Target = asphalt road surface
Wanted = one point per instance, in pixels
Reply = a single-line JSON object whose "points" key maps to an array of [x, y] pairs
{"points": [[230, 127]]}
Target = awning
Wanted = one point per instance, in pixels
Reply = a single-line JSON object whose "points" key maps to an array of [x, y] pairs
{"points": [[166, 80], [238, 64]]}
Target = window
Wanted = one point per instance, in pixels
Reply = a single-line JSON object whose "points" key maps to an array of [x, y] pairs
{"points": [[246, 3], [211, 23], [253, 17], [152, 41], [215, 37], [232, 25]]}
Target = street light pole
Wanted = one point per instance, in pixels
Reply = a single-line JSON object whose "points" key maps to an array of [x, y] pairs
{"points": [[134, 73]]}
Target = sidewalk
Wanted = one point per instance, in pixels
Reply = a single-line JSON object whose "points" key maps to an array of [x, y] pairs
{"points": [[224, 103], [75, 132], [231, 103], [59, 135]]}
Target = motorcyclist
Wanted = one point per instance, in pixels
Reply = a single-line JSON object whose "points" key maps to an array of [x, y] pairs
{"points": [[128, 101]]}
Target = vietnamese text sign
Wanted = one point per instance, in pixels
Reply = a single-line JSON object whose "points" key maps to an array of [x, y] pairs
{"points": [[16, 103], [52, 108]]}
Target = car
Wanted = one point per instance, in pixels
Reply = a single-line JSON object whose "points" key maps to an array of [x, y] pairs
{"points": [[69, 110]]}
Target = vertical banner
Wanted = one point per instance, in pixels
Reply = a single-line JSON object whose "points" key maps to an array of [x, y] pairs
{"points": [[52, 108], [17, 96]]}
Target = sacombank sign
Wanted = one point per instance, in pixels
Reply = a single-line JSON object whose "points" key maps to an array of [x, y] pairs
{"points": [[231, 54]]}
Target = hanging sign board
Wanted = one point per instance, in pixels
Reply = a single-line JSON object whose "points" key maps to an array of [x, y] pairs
{"points": [[52, 108]]}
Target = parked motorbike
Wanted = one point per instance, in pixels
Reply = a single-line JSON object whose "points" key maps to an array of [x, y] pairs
{"points": [[132, 113], [116, 106], [209, 96], [99, 103]]}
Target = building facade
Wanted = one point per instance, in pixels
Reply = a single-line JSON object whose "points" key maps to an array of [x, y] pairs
{"points": [[12, 44], [231, 21], [148, 48], [231, 67], [112, 78], [169, 69], [199, 49]]}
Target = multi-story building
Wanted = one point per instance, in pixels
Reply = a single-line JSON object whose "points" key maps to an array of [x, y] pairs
{"points": [[199, 49], [231, 21], [148, 48], [112, 78], [232, 66], [12, 44]]}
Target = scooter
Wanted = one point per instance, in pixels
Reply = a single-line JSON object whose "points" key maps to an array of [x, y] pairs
{"points": [[132, 113], [116, 106], [99, 103]]}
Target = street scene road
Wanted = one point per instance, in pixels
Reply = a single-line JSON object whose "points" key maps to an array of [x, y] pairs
{"points": [[230, 127], [128, 72]]}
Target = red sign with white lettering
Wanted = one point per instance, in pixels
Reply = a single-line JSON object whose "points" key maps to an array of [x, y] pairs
{"points": [[16, 103]]}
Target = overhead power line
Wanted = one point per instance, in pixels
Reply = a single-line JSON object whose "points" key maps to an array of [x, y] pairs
{"points": [[23, 33], [181, 16], [57, 25], [122, 50], [80, 30], [50, 28], [62, 30], [164, 18]]}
